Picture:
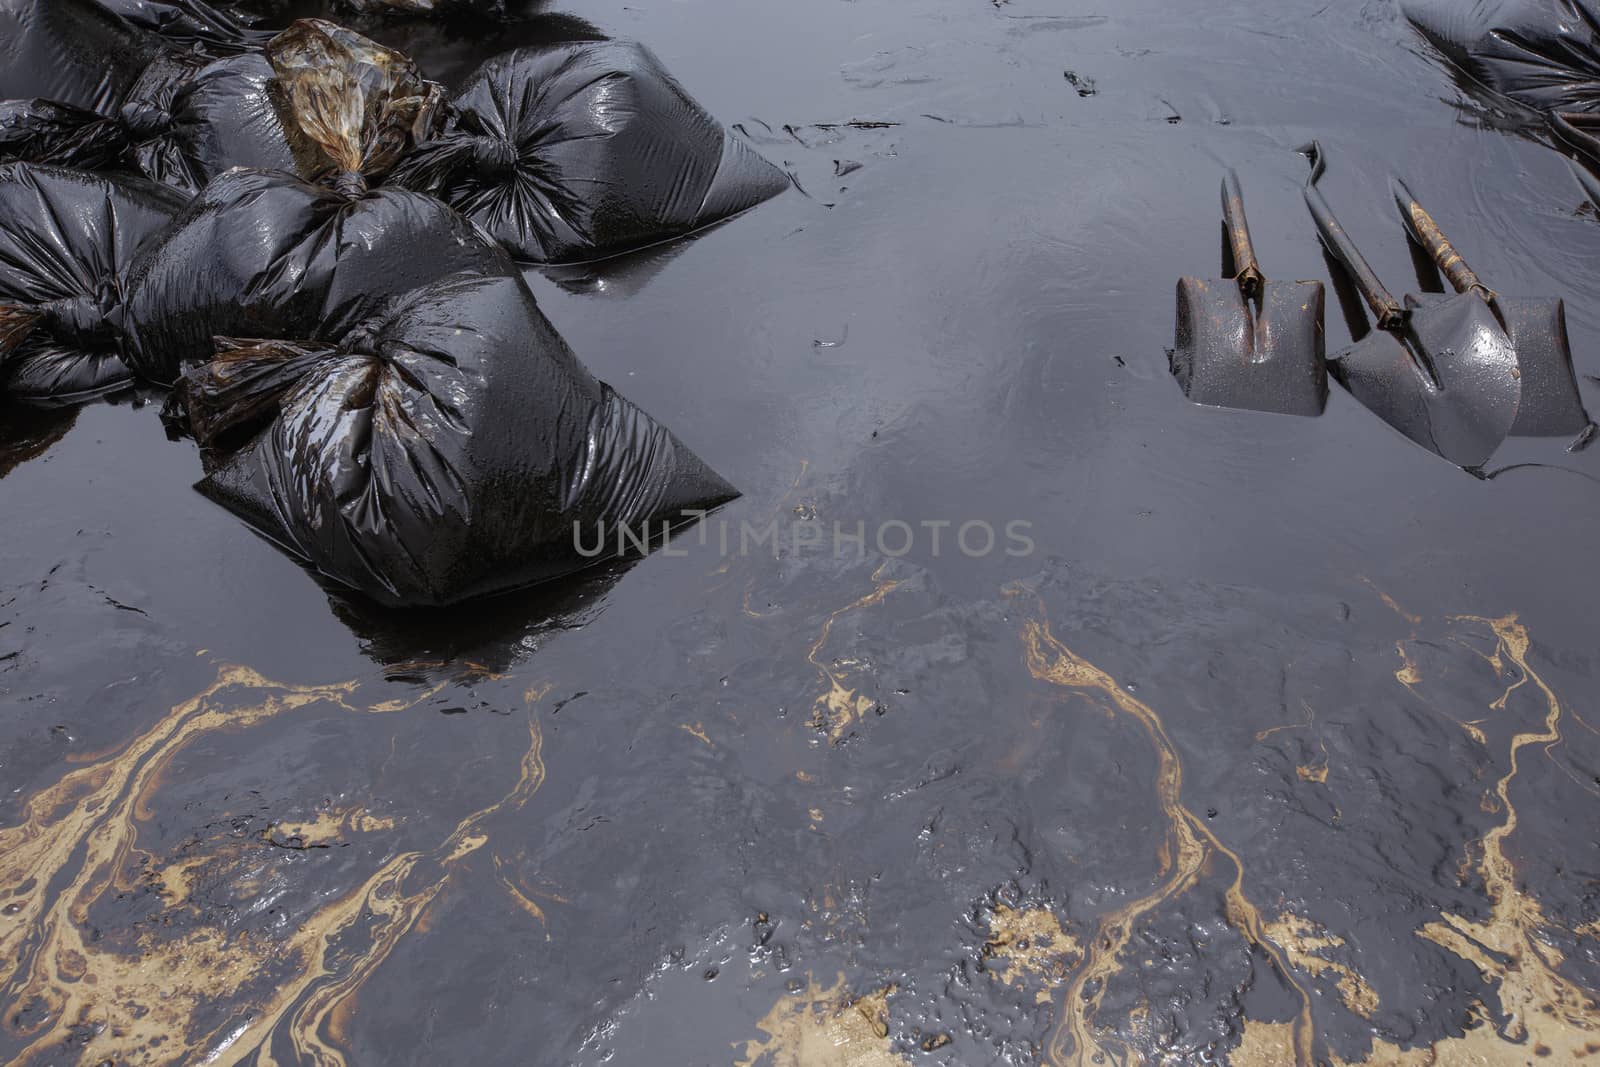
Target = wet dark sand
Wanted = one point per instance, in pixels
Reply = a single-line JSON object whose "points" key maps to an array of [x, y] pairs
{"points": [[1282, 742]]}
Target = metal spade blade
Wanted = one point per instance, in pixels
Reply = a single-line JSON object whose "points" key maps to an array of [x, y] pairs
{"points": [[1247, 342], [1537, 327], [1444, 373]]}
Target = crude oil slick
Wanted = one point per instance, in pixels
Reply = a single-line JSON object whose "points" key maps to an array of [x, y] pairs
{"points": [[1280, 745]]}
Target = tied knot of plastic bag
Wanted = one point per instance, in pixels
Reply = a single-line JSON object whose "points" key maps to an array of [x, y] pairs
{"points": [[362, 339], [349, 183], [359, 105], [143, 120], [82, 320], [77, 321], [241, 388], [494, 157]]}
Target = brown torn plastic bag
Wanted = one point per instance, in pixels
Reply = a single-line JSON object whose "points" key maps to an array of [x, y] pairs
{"points": [[359, 104], [244, 383], [16, 323]]}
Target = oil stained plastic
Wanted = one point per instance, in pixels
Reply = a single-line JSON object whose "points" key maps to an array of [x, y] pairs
{"points": [[360, 104], [581, 150], [66, 238], [1542, 54], [446, 448], [268, 254]]}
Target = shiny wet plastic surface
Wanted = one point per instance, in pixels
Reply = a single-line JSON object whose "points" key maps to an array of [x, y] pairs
{"points": [[1280, 742]]}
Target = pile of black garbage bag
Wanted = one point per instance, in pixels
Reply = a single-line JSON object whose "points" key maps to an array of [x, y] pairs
{"points": [[317, 249], [1542, 56]]}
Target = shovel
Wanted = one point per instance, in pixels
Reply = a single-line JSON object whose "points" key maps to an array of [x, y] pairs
{"points": [[1443, 373], [1246, 342], [1551, 406]]}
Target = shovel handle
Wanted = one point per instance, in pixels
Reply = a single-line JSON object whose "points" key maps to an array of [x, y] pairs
{"points": [[1387, 309], [1247, 272], [1426, 232]]}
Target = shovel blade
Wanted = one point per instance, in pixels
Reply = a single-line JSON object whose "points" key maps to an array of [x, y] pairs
{"points": [[1464, 409], [1551, 406], [1225, 355]]}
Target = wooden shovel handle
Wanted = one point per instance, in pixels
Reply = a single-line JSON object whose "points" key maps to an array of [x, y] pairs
{"points": [[1429, 236], [1247, 272]]}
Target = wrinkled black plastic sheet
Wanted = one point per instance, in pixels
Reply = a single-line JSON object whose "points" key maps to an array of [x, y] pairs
{"points": [[1542, 54]]}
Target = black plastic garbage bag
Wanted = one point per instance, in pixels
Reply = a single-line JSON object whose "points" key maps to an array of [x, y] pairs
{"points": [[448, 447], [1542, 54], [267, 254], [182, 124], [190, 24], [491, 8], [262, 252], [188, 128], [71, 51], [43, 131], [580, 150], [66, 238]]}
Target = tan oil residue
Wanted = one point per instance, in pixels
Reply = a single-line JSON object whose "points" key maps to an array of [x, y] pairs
{"points": [[1311, 948], [1264, 1045], [1028, 948], [841, 706], [188, 988], [1410, 675], [523, 897], [1548, 1017], [829, 1027], [1315, 771], [326, 828], [1184, 852], [1391, 603]]}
